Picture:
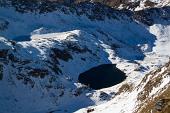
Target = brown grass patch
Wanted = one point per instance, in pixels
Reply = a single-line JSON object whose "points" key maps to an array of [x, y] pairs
{"points": [[150, 105], [154, 82], [125, 88], [161, 102], [149, 3]]}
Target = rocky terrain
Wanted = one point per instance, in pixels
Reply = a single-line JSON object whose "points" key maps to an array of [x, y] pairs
{"points": [[46, 45]]}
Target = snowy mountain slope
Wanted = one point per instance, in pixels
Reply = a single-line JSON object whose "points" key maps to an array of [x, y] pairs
{"points": [[154, 88], [39, 72], [155, 84], [151, 95]]}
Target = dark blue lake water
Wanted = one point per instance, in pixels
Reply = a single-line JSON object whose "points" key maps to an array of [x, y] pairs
{"points": [[102, 76]]}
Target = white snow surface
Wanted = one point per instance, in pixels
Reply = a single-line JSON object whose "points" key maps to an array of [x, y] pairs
{"points": [[139, 47]]}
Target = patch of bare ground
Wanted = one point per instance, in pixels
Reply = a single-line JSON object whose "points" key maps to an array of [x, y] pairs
{"points": [[90, 110], [125, 88], [149, 4]]}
